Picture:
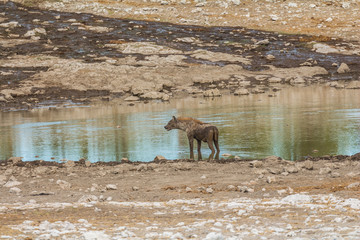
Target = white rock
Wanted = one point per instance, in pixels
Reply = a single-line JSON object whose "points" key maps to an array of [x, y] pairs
{"points": [[209, 190], [271, 179], [111, 187], [12, 183], [323, 48], [132, 99], [63, 184], [15, 190], [214, 236], [241, 91], [88, 198], [325, 170], [352, 202], [274, 17], [297, 198], [344, 68], [95, 235]]}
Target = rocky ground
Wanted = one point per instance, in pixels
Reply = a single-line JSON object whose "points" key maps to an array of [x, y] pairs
{"points": [[229, 199], [62, 52]]}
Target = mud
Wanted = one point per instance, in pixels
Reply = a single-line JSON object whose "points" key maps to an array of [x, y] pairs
{"points": [[60, 57]]}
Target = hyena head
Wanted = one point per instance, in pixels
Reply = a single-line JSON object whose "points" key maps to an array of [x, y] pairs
{"points": [[172, 124]]}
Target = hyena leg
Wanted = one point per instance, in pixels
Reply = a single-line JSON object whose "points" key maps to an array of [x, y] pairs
{"points": [[199, 149], [210, 143], [217, 149], [191, 143]]}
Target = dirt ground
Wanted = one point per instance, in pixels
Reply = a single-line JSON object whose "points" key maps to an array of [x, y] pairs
{"points": [[270, 198]]}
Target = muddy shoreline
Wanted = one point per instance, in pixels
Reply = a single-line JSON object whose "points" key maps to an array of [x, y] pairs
{"points": [[51, 58]]}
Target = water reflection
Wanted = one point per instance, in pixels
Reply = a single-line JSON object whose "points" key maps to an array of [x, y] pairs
{"points": [[291, 125]]}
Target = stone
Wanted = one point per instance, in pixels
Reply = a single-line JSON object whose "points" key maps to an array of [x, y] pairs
{"points": [[263, 42], [125, 160], [274, 170], [209, 190], [63, 184], [231, 188], [132, 99], [11, 24], [159, 158], [134, 188], [236, 2], [2, 179], [291, 169], [111, 187], [12, 183], [14, 160], [325, 170], [188, 189], [309, 165], [87, 163], [297, 80], [325, 49], [15, 190], [344, 68], [88, 198], [241, 91], [353, 185], [271, 179], [270, 57], [212, 93], [256, 164], [353, 85], [69, 164], [274, 80]]}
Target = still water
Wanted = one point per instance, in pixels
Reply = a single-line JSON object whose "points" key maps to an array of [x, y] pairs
{"points": [[298, 122]]}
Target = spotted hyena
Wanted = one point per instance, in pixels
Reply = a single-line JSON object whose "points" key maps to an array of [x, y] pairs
{"points": [[198, 130]]}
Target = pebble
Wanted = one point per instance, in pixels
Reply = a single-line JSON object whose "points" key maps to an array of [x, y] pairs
{"points": [[111, 187]]}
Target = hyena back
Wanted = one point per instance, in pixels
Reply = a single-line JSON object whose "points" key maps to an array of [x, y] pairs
{"points": [[202, 132]]}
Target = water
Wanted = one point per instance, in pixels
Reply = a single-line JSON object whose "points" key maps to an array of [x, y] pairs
{"points": [[297, 123]]}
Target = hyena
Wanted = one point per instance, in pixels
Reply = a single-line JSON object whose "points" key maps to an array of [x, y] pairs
{"points": [[198, 130]]}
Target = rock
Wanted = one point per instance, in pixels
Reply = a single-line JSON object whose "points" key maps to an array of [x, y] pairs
{"points": [[88, 198], [353, 185], [291, 169], [325, 170], [297, 80], [257, 90], [256, 164], [159, 158], [35, 32], [132, 99], [14, 160], [125, 160], [274, 80], [15, 190], [297, 198], [111, 187], [270, 57], [230, 188], [63, 184], [135, 188], [156, 95], [263, 42], [12, 183], [344, 68], [271, 179], [334, 174], [212, 93], [236, 2], [2, 179], [69, 164], [11, 24], [323, 48], [188, 189], [226, 155], [274, 17], [87, 163], [274, 170], [309, 165], [241, 91], [353, 85], [209, 190], [143, 167]]}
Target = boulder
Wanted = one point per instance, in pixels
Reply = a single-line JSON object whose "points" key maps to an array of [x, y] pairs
{"points": [[14, 160], [212, 93], [353, 85], [69, 164]]}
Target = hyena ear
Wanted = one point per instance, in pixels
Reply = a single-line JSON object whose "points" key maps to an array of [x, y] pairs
{"points": [[174, 118]]}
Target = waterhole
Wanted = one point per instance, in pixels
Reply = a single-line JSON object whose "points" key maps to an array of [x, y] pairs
{"points": [[298, 122]]}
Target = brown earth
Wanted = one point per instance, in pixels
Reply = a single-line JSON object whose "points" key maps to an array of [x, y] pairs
{"points": [[103, 193]]}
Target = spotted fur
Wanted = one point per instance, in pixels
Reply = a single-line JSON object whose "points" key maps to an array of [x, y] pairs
{"points": [[196, 129]]}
